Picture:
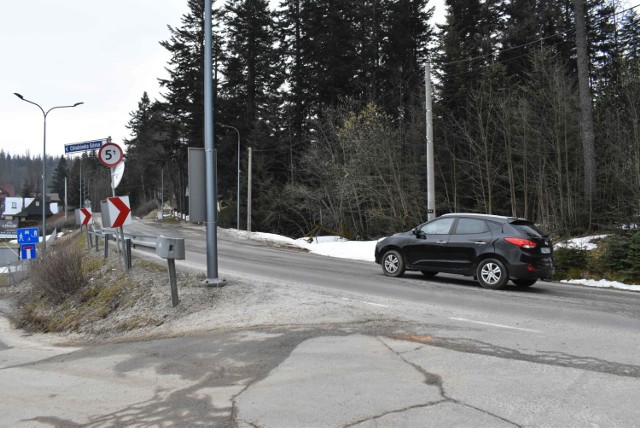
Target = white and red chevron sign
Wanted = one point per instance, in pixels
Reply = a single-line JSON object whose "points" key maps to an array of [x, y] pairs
{"points": [[116, 211], [83, 216]]}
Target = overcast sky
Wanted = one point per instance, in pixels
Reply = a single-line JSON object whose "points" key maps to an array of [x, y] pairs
{"points": [[59, 52]]}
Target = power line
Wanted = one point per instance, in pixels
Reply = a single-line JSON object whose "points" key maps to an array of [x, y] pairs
{"points": [[528, 43]]}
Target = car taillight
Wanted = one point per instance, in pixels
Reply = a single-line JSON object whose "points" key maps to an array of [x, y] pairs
{"points": [[524, 243]]}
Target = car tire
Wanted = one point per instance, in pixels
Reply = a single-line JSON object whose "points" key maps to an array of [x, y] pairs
{"points": [[428, 274], [393, 263], [492, 274], [524, 282]]}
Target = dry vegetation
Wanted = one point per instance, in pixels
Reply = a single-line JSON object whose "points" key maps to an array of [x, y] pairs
{"points": [[75, 290]]}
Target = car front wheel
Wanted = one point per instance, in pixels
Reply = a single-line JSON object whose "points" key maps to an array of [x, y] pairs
{"points": [[492, 274], [393, 263]]}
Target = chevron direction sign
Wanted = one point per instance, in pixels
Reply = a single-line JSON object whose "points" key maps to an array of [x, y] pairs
{"points": [[116, 211], [83, 216]]}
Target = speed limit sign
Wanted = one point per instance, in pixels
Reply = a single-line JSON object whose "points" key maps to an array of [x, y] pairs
{"points": [[110, 155]]}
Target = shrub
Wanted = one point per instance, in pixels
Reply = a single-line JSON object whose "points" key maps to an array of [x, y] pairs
{"points": [[569, 262], [632, 260], [63, 223], [146, 208], [615, 249], [58, 273]]}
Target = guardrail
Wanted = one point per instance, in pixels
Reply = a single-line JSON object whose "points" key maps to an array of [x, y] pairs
{"points": [[167, 248]]}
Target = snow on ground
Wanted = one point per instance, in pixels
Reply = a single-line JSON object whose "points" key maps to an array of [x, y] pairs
{"points": [[583, 243], [334, 246]]}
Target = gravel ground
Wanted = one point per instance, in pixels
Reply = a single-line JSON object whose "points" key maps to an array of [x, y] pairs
{"points": [[244, 302]]}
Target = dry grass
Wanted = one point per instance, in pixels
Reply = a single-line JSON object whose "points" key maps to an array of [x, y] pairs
{"points": [[76, 290], [59, 273]]}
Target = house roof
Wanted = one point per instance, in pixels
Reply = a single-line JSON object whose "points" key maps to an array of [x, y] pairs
{"points": [[6, 190], [20, 204], [34, 209]]}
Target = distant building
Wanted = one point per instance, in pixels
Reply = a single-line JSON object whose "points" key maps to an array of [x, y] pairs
{"points": [[6, 191], [21, 209]]}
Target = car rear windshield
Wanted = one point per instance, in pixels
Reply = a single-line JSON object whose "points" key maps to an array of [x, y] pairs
{"points": [[527, 228]]}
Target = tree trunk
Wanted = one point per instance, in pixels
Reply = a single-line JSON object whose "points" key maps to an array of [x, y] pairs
{"points": [[586, 112]]}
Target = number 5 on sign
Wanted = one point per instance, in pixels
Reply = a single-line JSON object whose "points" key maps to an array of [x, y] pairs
{"points": [[110, 155]]}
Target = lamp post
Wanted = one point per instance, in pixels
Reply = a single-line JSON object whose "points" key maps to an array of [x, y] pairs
{"points": [[237, 197], [44, 163]]}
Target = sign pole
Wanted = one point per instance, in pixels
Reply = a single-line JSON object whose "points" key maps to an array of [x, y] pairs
{"points": [[120, 237]]}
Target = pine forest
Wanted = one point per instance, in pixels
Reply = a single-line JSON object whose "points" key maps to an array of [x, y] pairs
{"points": [[536, 114]]}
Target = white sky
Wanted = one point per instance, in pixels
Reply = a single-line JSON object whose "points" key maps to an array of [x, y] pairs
{"points": [[59, 52]]}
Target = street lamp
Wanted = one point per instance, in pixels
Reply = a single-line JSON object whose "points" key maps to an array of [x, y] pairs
{"points": [[238, 197], [44, 163]]}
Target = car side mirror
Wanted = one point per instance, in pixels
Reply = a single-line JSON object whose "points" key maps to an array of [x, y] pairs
{"points": [[419, 233]]}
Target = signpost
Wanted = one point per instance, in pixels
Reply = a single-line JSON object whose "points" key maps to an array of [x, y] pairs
{"points": [[110, 155], [8, 228], [116, 213], [83, 216], [28, 237], [28, 251], [84, 146]]}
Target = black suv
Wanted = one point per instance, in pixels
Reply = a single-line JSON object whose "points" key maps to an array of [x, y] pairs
{"points": [[492, 249]]}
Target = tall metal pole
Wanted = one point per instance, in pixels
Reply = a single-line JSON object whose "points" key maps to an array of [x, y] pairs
{"points": [[162, 194], [431, 187], [209, 148], [44, 163], [238, 194], [249, 192], [80, 189]]}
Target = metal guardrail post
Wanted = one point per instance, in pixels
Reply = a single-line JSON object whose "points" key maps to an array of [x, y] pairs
{"points": [[128, 252], [171, 249], [106, 245], [174, 283], [97, 240]]}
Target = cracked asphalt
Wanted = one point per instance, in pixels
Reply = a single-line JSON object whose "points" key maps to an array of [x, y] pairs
{"points": [[349, 375]]}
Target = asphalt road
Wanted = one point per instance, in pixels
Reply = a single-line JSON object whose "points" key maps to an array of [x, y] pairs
{"points": [[558, 323], [436, 352]]}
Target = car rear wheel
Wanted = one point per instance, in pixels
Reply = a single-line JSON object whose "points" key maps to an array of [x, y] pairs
{"points": [[393, 263], [428, 274], [492, 274], [524, 282]]}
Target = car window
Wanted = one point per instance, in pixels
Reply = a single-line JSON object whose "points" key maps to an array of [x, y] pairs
{"points": [[441, 226], [528, 229], [470, 225]]}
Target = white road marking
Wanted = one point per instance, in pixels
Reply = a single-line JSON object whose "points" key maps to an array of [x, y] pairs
{"points": [[366, 303], [495, 325]]}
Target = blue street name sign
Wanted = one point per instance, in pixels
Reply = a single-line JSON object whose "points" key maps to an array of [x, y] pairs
{"points": [[28, 252], [84, 146], [28, 235]]}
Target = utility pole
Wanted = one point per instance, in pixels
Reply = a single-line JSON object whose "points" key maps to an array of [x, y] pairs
{"points": [[209, 149], [249, 193], [431, 186]]}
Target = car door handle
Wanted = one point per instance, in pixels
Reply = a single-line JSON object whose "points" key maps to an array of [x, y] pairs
{"points": [[479, 242], [441, 242]]}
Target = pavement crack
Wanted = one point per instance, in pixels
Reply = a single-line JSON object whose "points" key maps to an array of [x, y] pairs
{"points": [[391, 412], [436, 380]]}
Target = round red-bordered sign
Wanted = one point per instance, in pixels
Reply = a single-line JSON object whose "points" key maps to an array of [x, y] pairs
{"points": [[110, 155]]}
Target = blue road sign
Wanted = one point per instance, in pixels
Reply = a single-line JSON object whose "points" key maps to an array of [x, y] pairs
{"points": [[28, 251], [28, 235], [84, 146]]}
